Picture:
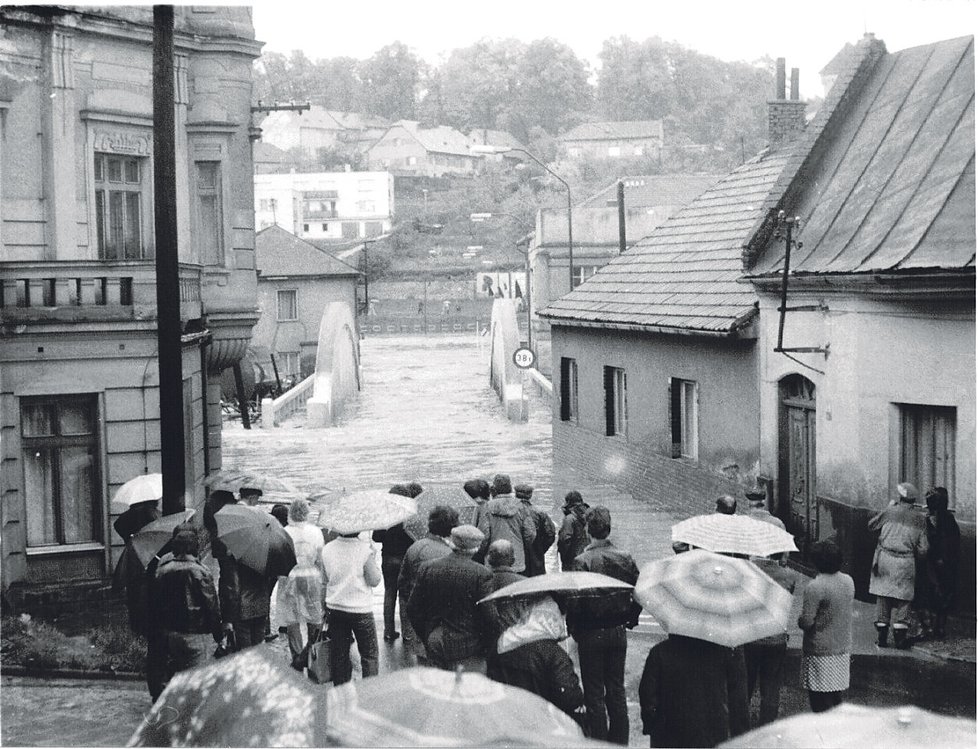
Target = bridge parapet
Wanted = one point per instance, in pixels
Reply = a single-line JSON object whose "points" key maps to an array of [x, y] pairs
{"points": [[504, 376]]}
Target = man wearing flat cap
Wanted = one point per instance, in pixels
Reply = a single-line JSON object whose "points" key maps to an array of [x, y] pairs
{"points": [[545, 532], [443, 605], [903, 538]]}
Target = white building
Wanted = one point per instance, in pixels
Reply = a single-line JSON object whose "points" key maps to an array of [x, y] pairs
{"points": [[326, 205]]}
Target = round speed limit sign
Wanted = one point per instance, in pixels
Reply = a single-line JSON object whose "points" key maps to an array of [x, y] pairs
{"points": [[524, 357]]}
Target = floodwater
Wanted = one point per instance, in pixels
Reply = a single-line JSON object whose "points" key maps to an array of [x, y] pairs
{"points": [[425, 413]]}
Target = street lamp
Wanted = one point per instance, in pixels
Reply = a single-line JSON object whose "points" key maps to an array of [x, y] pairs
{"points": [[478, 218], [570, 228]]}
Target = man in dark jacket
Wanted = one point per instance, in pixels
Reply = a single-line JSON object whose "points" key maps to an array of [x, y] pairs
{"points": [[505, 613], [572, 537], [503, 517], [184, 605], [394, 545], [480, 491], [692, 693], [545, 532], [441, 520], [443, 608], [600, 635]]}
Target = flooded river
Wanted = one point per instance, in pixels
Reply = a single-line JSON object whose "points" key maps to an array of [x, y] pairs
{"points": [[425, 413]]}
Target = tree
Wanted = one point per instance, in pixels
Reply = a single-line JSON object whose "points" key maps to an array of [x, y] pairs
{"points": [[552, 87], [479, 83], [391, 79]]}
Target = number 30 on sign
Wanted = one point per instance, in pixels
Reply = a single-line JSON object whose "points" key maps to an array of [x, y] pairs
{"points": [[524, 358]]}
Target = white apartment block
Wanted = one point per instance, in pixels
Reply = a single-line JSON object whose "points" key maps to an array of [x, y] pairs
{"points": [[326, 205]]}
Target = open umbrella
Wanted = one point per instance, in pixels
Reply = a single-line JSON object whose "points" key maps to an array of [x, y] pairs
{"points": [[255, 539], [568, 584], [733, 534], [148, 540], [233, 480], [144, 488], [451, 495], [863, 727], [712, 597], [252, 698], [431, 707], [363, 511]]}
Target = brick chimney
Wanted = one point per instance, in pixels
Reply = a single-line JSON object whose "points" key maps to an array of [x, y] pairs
{"points": [[785, 116]]}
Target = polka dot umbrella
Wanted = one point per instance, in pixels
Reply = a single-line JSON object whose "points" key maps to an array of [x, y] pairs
{"points": [[711, 597]]}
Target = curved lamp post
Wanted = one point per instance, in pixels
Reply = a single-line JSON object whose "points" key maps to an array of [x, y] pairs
{"points": [[570, 228]]}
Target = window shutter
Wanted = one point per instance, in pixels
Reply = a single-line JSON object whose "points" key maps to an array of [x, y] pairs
{"points": [[565, 388], [676, 416], [609, 400]]}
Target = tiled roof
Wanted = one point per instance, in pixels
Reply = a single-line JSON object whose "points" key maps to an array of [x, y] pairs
{"points": [[266, 153], [684, 275], [615, 130], [280, 253], [893, 187], [318, 117], [440, 139]]}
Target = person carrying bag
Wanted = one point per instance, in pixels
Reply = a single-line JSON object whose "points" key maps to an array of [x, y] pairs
{"points": [[318, 659]]}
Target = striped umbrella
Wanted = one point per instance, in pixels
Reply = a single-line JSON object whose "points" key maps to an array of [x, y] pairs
{"points": [[733, 534], [711, 597]]}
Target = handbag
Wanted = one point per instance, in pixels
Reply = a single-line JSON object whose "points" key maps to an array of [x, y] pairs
{"points": [[227, 645], [318, 660]]}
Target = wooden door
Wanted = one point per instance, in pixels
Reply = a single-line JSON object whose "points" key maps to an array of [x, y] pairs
{"points": [[797, 463]]}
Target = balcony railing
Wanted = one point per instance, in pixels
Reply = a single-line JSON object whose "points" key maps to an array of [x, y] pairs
{"points": [[33, 291], [312, 215]]}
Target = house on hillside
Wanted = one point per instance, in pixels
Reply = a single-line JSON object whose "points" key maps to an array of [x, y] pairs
{"points": [[80, 389], [321, 128], [295, 283], [874, 382], [649, 200], [408, 149], [612, 140], [673, 382], [326, 205], [499, 139], [269, 159]]}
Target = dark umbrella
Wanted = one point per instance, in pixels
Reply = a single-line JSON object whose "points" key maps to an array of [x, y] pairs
{"points": [[148, 540], [450, 495], [255, 539], [252, 698]]}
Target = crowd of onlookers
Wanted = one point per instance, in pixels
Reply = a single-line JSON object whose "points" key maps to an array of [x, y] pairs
{"points": [[691, 693]]}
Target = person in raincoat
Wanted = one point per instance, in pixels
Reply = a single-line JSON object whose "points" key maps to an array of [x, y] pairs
{"points": [[572, 537], [545, 532], [504, 517], [529, 656], [300, 596], [903, 538]]}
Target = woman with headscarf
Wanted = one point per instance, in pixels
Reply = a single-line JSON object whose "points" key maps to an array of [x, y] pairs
{"points": [[943, 557], [301, 597]]}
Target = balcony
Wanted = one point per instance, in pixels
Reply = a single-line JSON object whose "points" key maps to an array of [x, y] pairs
{"points": [[87, 290], [318, 215]]}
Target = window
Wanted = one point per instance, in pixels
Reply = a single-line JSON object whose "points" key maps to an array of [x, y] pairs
{"points": [[927, 438], [568, 389], [412, 160], [209, 214], [288, 304], [583, 272], [639, 150], [119, 185], [614, 150], [366, 206], [684, 418], [325, 227], [615, 401], [350, 229], [263, 204], [288, 363], [61, 470], [305, 227]]}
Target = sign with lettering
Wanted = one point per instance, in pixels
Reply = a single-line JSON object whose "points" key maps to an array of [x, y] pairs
{"points": [[132, 144]]}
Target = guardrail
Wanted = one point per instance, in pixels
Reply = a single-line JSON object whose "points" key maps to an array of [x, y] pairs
{"points": [[287, 404], [544, 385]]}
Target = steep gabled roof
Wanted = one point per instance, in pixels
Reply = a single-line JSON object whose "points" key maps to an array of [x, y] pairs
{"points": [[891, 187], [438, 139], [499, 138], [615, 130], [281, 253], [266, 153], [683, 277]]}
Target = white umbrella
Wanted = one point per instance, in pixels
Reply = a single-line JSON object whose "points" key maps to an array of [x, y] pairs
{"points": [[145, 488], [733, 534]]}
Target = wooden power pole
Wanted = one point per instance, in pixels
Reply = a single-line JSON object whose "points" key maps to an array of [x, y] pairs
{"points": [[167, 265]]}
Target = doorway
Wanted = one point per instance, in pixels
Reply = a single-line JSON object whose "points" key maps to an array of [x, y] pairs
{"points": [[796, 460]]}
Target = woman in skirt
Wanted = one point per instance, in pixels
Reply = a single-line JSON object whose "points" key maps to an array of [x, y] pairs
{"points": [[826, 620]]}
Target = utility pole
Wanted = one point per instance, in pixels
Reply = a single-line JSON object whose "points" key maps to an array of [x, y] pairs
{"points": [[168, 328], [621, 217]]}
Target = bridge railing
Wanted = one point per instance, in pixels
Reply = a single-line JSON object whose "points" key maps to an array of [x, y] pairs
{"points": [[289, 403]]}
